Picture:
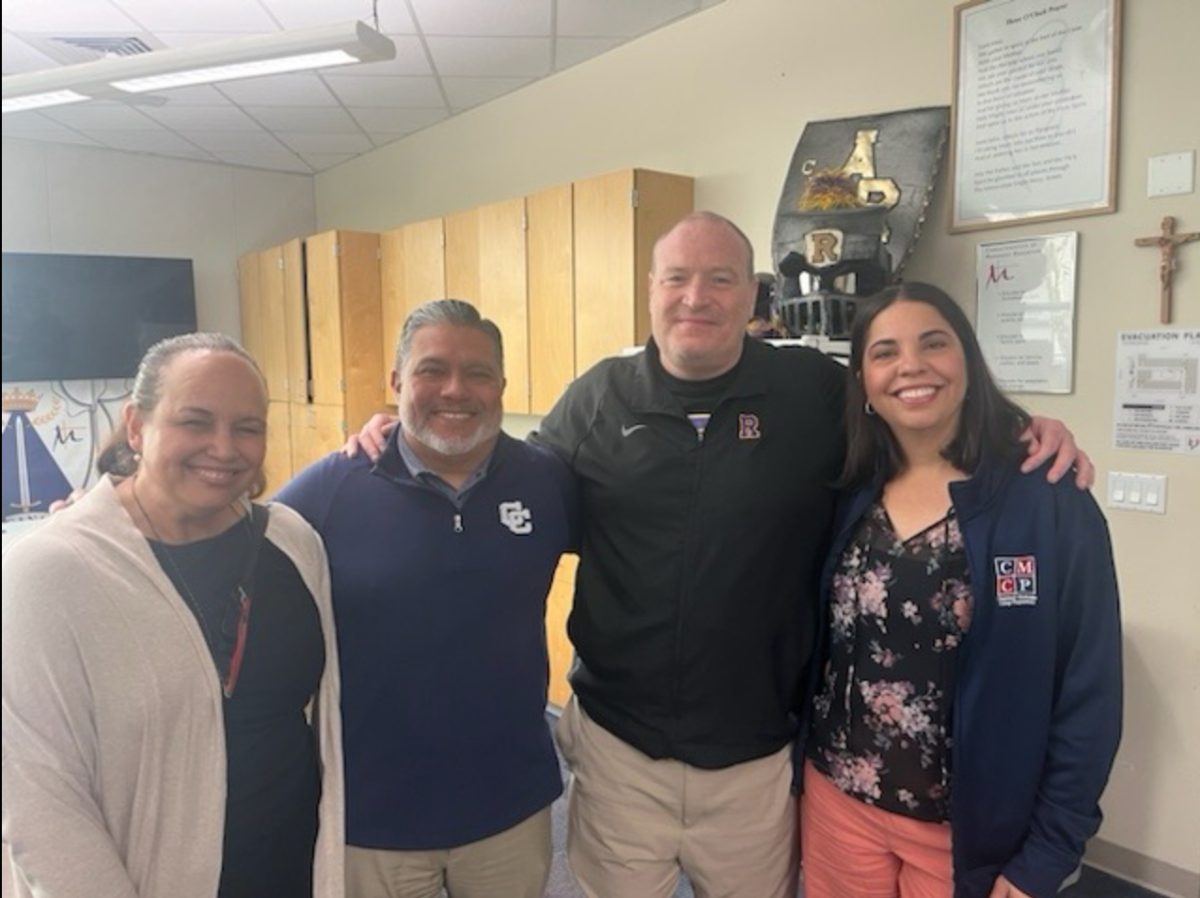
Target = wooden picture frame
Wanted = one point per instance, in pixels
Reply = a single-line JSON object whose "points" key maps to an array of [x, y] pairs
{"points": [[1034, 123]]}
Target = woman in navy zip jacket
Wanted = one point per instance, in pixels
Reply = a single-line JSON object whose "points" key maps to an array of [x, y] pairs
{"points": [[967, 706]]}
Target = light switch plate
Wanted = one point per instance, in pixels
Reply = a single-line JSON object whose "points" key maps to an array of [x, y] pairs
{"points": [[1137, 492], [1171, 174]]}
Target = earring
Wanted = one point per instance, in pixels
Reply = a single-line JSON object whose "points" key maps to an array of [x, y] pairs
{"points": [[867, 407]]}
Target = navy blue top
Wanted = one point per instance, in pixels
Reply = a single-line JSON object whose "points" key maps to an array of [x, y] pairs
{"points": [[1037, 699], [440, 614]]}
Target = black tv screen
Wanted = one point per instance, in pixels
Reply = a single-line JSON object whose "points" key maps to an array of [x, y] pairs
{"points": [[72, 317]]}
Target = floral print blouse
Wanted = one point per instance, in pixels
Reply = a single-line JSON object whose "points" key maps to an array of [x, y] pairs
{"points": [[881, 718]]}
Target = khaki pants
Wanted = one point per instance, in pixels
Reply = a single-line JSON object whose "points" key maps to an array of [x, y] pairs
{"points": [[635, 822], [514, 863]]}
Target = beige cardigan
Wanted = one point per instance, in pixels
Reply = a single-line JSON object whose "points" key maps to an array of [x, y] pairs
{"points": [[113, 736]]}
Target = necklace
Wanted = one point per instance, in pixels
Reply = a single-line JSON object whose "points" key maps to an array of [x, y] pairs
{"points": [[238, 629]]}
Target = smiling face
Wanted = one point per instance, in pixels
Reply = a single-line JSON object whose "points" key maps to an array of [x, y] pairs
{"points": [[450, 395], [203, 442], [701, 297], [914, 373]]}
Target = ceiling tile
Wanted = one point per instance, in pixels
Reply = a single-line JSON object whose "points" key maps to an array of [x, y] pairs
{"points": [[479, 17], [618, 18], [316, 142], [147, 142], [322, 161], [378, 90], [451, 55], [221, 142], [467, 92], [108, 116], [222, 15], [302, 118], [397, 121], [19, 122], [217, 118], [65, 16], [569, 51], [198, 95], [393, 17], [57, 135], [274, 161], [383, 138], [297, 89], [491, 56], [19, 56]]}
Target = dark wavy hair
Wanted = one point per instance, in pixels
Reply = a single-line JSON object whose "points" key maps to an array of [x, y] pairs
{"points": [[117, 457], [990, 425]]}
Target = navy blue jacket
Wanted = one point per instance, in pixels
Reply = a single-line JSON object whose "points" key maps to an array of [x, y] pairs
{"points": [[1037, 706], [440, 617]]}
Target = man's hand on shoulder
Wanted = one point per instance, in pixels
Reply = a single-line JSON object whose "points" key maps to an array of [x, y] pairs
{"points": [[373, 437], [1049, 438]]}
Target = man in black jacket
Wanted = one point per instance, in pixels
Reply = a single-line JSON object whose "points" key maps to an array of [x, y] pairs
{"points": [[706, 466]]}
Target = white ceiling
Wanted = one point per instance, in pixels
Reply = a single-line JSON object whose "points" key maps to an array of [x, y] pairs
{"points": [[450, 55]]}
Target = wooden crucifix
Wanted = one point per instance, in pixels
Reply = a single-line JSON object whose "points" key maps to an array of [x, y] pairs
{"points": [[1166, 243]]}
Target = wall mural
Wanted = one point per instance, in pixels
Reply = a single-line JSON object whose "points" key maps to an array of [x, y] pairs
{"points": [[53, 431]]}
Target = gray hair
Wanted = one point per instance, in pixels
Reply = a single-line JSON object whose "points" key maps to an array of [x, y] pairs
{"points": [[711, 218], [117, 456], [456, 312]]}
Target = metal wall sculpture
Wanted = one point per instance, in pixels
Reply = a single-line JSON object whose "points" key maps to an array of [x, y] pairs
{"points": [[852, 207]]}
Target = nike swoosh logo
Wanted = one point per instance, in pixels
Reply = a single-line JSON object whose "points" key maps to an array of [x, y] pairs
{"points": [[626, 430]]}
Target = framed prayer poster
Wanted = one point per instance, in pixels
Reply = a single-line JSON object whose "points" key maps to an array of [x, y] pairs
{"points": [[1034, 127]]}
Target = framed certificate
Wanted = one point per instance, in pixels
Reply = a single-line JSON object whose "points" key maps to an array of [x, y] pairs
{"points": [[1025, 317], [1033, 134]]}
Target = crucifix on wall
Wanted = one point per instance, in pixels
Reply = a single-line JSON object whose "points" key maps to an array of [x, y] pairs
{"points": [[1166, 242]]}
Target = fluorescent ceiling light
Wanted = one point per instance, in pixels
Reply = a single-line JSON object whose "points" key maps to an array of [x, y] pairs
{"points": [[38, 101], [247, 57]]}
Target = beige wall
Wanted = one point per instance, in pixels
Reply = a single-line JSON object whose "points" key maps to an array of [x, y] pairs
{"points": [[724, 96], [67, 199]]}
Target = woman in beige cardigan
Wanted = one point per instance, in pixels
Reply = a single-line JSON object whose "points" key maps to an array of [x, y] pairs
{"points": [[170, 686]]}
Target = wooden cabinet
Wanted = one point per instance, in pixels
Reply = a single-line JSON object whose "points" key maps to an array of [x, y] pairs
{"points": [[412, 268], [311, 317], [344, 322], [558, 646], [618, 217], [550, 257], [485, 265]]}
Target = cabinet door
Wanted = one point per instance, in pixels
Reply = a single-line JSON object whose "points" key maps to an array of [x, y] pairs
{"points": [[462, 256], [559, 648], [277, 466], [317, 430], [618, 217], [549, 239], [412, 268], [359, 304], [605, 320], [274, 358], [503, 296], [251, 302], [295, 321], [324, 318], [659, 201]]}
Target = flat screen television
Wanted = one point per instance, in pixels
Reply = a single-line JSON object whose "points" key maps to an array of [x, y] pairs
{"points": [[70, 317]]}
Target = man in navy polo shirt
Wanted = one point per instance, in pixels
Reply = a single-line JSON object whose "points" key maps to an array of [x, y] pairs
{"points": [[441, 555]]}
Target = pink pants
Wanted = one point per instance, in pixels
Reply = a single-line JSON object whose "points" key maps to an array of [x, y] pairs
{"points": [[852, 850]]}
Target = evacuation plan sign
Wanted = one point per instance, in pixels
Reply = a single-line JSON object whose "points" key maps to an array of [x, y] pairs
{"points": [[1157, 397]]}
